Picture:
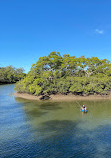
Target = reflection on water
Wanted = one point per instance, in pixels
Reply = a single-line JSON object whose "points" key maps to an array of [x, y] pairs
{"points": [[35, 129]]}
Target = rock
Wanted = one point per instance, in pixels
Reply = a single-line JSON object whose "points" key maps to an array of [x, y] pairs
{"points": [[45, 97]]}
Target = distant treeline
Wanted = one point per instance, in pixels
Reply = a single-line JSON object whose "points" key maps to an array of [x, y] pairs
{"points": [[65, 74], [10, 74]]}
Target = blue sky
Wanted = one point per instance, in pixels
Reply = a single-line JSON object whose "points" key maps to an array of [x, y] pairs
{"points": [[30, 29]]}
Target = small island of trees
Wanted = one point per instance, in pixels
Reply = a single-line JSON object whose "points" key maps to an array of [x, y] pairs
{"points": [[56, 74], [11, 74]]}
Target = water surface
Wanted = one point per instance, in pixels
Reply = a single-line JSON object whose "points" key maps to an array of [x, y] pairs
{"points": [[32, 129]]}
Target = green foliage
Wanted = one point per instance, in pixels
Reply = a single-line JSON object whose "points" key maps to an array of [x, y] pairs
{"points": [[56, 74], [63, 86], [10, 74], [35, 89], [76, 88]]}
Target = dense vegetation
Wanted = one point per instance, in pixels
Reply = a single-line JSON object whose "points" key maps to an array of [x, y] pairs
{"points": [[10, 74], [67, 74]]}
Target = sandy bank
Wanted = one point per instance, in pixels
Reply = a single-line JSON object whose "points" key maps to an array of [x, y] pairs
{"points": [[59, 97]]}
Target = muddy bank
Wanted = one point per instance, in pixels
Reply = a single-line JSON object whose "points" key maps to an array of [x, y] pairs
{"points": [[60, 97]]}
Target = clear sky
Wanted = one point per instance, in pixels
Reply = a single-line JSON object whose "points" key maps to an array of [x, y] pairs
{"points": [[30, 29]]}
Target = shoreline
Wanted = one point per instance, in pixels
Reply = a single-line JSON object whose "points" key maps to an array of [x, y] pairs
{"points": [[60, 97]]}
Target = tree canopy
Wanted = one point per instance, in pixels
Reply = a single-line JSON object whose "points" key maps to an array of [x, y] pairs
{"points": [[10, 74], [67, 74]]}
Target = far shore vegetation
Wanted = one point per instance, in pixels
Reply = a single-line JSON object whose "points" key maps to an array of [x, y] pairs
{"points": [[56, 74], [11, 74]]}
